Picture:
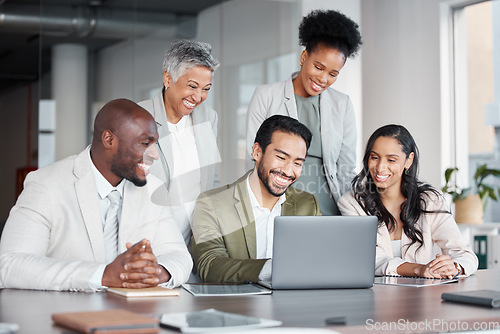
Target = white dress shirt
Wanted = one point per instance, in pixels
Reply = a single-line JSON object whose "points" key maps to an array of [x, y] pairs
{"points": [[185, 176], [264, 229], [103, 190]]}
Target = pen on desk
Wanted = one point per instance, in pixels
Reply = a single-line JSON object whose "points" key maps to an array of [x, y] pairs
{"points": [[459, 270]]}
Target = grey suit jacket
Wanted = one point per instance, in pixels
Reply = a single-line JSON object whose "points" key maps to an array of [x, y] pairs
{"points": [[224, 240], [338, 127], [53, 238]]}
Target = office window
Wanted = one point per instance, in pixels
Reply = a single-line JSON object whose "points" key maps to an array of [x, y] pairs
{"points": [[252, 75], [476, 111], [479, 41]]}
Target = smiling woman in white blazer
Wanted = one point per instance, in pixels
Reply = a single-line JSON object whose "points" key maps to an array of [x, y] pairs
{"points": [[329, 38], [412, 215]]}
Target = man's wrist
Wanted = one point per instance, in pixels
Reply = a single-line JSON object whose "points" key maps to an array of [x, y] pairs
{"points": [[164, 275]]}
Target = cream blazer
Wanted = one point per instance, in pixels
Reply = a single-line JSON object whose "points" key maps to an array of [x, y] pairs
{"points": [[205, 131], [204, 121], [436, 228], [338, 127], [53, 238]]}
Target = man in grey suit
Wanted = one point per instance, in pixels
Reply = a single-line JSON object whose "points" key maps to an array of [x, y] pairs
{"points": [[87, 222], [233, 225]]}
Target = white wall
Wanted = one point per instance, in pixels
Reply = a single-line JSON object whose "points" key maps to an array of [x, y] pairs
{"points": [[130, 69], [401, 77], [243, 32]]}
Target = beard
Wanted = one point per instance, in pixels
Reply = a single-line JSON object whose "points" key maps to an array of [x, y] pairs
{"points": [[273, 190], [125, 168]]}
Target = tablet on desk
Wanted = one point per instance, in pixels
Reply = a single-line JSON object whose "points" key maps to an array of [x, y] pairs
{"points": [[201, 289], [412, 281], [213, 321]]}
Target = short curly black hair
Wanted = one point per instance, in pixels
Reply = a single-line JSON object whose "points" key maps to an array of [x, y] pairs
{"points": [[332, 29]]}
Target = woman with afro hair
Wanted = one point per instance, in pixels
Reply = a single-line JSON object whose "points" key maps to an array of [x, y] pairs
{"points": [[329, 38]]}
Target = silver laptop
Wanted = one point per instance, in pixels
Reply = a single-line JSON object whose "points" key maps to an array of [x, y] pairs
{"points": [[323, 252]]}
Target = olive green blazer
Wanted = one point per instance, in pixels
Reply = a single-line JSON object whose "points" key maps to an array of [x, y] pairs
{"points": [[224, 241]]}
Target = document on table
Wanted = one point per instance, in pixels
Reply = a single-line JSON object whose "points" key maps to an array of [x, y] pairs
{"points": [[156, 291], [200, 289], [412, 281]]}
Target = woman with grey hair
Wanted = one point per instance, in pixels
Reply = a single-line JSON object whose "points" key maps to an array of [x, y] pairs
{"points": [[187, 130]]}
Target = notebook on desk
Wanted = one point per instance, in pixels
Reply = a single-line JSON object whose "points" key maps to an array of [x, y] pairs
{"points": [[323, 252]]}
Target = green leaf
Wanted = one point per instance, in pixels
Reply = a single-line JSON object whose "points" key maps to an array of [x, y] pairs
{"points": [[448, 172], [480, 171], [480, 174], [487, 187], [483, 193]]}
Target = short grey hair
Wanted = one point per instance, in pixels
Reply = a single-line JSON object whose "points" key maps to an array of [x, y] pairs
{"points": [[186, 54]]}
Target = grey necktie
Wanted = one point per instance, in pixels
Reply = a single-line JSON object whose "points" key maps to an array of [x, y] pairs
{"points": [[111, 227]]}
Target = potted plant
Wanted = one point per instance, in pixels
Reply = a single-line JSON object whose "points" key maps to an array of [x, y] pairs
{"points": [[471, 202]]}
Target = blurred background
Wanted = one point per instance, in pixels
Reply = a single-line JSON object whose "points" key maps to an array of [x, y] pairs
{"points": [[430, 65]]}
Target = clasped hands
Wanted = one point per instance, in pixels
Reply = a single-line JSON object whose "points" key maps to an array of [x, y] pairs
{"points": [[135, 268], [441, 267]]}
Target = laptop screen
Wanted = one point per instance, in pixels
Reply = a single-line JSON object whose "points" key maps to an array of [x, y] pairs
{"points": [[324, 252]]}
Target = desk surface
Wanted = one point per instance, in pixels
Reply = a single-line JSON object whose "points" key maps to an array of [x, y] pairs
{"points": [[365, 309]]}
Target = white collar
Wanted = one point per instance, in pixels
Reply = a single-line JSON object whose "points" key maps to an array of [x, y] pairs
{"points": [[103, 186], [255, 203]]}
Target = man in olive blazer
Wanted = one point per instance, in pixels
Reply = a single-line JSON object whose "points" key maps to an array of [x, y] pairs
{"points": [[224, 227]]}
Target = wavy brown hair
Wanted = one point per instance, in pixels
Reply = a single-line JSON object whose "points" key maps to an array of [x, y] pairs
{"points": [[415, 192]]}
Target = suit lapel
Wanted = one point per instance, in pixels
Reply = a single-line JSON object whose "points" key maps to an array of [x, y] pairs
{"points": [[245, 213], [326, 117], [290, 104], [87, 197], [289, 207], [385, 238], [164, 141]]}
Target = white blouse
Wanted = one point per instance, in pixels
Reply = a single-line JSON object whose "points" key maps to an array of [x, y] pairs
{"points": [[438, 228], [185, 176], [396, 248]]}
